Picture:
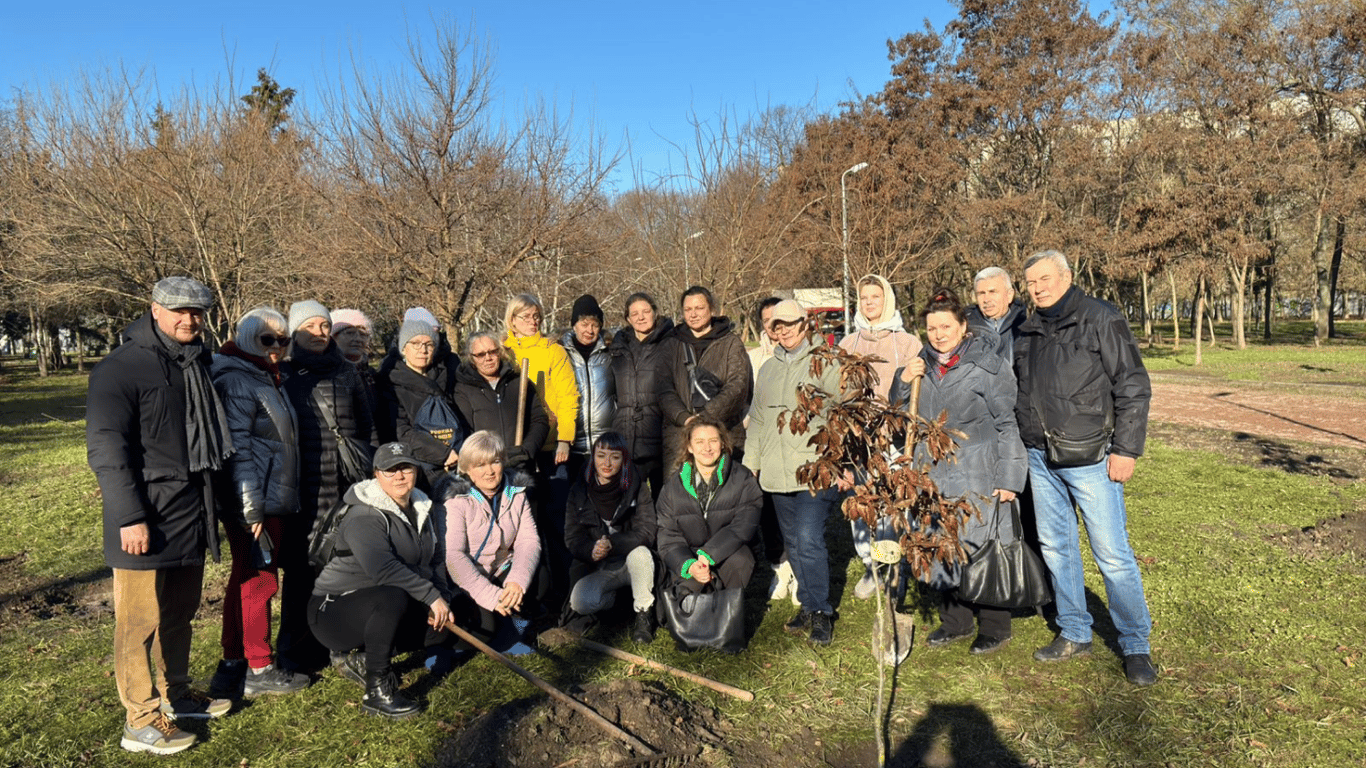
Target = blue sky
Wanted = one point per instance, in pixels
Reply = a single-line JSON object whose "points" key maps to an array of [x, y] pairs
{"points": [[632, 68]]}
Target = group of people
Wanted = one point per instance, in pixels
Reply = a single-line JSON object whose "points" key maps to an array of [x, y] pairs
{"points": [[524, 480]]}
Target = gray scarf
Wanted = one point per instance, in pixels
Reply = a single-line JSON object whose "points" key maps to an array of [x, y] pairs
{"points": [[206, 425]]}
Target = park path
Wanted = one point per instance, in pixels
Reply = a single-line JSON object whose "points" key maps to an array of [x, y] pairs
{"points": [[1322, 414]]}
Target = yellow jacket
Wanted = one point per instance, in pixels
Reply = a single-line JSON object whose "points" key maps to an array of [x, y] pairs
{"points": [[552, 373]]}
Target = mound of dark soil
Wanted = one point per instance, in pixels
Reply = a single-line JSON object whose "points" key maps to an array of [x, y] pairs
{"points": [[25, 599], [1337, 536], [544, 733]]}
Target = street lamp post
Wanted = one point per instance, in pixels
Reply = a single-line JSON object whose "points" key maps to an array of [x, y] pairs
{"points": [[693, 236], [844, 220]]}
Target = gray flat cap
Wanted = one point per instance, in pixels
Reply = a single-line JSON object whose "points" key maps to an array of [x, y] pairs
{"points": [[182, 293]]}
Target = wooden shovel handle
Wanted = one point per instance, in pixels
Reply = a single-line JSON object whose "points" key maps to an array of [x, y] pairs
{"points": [[555, 693], [915, 411], [617, 653], [521, 401]]}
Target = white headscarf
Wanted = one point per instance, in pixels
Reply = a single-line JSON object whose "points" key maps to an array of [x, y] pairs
{"points": [[891, 316]]}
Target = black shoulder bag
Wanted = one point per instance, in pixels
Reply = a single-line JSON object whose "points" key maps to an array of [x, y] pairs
{"points": [[1064, 450], [1005, 575], [354, 455], [703, 385]]}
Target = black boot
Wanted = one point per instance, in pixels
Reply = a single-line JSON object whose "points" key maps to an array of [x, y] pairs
{"points": [[229, 679], [644, 630], [382, 697]]}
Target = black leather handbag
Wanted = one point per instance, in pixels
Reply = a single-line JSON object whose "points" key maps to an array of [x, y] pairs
{"points": [[709, 619], [1005, 575]]}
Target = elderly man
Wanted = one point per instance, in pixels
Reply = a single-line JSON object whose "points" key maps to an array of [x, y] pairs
{"points": [[997, 309], [1083, 414], [154, 432]]}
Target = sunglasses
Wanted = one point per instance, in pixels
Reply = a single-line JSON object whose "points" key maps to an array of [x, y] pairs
{"points": [[274, 341], [485, 353]]}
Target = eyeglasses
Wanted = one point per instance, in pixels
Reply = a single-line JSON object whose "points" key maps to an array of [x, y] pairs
{"points": [[529, 317], [485, 353], [402, 468], [274, 341], [422, 346]]}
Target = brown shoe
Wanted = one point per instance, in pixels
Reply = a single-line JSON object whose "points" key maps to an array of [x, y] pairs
{"points": [[160, 737]]}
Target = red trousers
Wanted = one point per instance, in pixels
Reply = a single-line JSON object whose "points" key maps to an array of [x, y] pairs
{"points": [[246, 606]]}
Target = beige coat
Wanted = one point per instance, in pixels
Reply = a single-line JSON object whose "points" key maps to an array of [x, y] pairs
{"points": [[775, 455]]}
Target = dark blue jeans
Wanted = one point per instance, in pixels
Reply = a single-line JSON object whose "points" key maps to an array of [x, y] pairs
{"points": [[801, 517]]}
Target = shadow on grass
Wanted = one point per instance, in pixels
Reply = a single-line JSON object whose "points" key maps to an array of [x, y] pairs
{"points": [[1286, 458], [1287, 419], [955, 734], [59, 399]]}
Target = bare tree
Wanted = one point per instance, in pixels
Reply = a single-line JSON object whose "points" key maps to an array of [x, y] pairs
{"points": [[443, 207]]}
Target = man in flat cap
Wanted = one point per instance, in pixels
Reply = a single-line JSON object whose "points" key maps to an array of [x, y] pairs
{"points": [[154, 432]]}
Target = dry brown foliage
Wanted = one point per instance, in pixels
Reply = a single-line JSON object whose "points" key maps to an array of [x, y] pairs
{"points": [[862, 435]]}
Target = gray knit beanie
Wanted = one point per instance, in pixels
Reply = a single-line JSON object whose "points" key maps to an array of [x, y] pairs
{"points": [[301, 312], [413, 328]]}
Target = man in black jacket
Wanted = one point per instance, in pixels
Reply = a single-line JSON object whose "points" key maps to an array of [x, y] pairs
{"points": [[154, 432], [997, 310], [1083, 415]]}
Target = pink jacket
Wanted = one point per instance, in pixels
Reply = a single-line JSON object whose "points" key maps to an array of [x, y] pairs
{"points": [[897, 348], [512, 545]]}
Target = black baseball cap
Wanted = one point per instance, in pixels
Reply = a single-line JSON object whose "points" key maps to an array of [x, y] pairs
{"points": [[392, 455]]}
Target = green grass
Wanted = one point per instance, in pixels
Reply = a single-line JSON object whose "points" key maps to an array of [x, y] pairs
{"points": [[1292, 359], [1257, 645]]}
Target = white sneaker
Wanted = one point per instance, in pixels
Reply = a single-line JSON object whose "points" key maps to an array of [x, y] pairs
{"points": [[866, 586], [784, 584], [778, 589]]}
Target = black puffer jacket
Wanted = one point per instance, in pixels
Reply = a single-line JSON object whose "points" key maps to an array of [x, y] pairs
{"points": [[494, 408], [632, 525], [720, 352], [262, 477], [730, 522], [343, 394], [402, 393], [1084, 363], [643, 371], [135, 443]]}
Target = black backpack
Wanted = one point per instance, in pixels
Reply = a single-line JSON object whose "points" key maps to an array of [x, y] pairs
{"points": [[325, 537]]}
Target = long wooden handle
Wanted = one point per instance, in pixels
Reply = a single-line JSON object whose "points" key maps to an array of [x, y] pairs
{"points": [[521, 401], [915, 412], [617, 653], [555, 693]]}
